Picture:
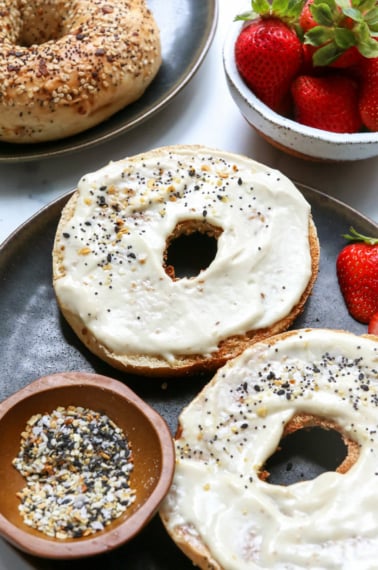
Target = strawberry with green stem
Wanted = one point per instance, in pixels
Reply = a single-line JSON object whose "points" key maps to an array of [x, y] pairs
{"points": [[357, 273], [268, 51], [341, 31], [343, 34]]}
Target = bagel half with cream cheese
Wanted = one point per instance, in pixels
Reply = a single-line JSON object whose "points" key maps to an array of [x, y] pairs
{"points": [[68, 65], [123, 300], [223, 512]]}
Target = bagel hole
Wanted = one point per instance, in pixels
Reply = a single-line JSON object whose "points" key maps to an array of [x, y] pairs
{"points": [[41, 24], [190, 249], [305, 454]]}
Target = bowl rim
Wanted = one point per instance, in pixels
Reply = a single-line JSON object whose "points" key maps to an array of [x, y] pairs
{"points": [[267, 113], [106, 540]]}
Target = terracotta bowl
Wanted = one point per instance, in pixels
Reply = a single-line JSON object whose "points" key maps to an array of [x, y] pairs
{"points": [[145, 429], [286, 134]]}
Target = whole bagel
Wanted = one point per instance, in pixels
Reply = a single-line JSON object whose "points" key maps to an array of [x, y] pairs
{"points": [[67, 65], [123, 299]]}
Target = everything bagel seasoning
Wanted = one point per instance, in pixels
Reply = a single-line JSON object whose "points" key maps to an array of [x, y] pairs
{"points": [[77, 465]]}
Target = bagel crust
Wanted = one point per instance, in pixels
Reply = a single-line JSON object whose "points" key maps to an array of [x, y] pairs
{"points": [[110, 273], [67, 65], [221, 509]]}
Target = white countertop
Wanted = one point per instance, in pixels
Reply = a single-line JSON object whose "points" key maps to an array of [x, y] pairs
{"points": [[202, 113]]}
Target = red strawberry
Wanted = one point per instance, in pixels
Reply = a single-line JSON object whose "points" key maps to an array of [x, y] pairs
{"points": [[306, 19], [308, 65], [373, 325], [268, 55], [368, 104], [341, 31], [329, 103], [348, 58], [357, 273]]}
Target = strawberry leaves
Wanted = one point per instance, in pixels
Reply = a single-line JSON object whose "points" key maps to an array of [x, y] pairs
{"points": [[354, 235], [363, 11], [286, 10], [341, 26]]}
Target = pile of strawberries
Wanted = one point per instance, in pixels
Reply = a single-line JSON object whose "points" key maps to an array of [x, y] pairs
{"points": [[315, 61]]}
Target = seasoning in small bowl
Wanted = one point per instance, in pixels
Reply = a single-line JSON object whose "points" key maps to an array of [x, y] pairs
{"points": [[76, 464], [85, 465]]}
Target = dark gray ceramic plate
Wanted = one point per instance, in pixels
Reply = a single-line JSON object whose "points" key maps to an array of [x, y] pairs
{"points": [[187, 29], [35, 341]]}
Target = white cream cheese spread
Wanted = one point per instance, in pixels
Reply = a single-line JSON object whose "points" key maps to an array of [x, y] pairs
{"points": [[235, 424], [113, 274]]}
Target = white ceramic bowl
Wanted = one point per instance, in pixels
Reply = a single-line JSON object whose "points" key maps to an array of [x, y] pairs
{"points": [[286, 134]]}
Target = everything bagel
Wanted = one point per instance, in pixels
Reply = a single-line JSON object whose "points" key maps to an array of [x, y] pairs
{"points": [[221, 509], [67, 65], [112, 281]]}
